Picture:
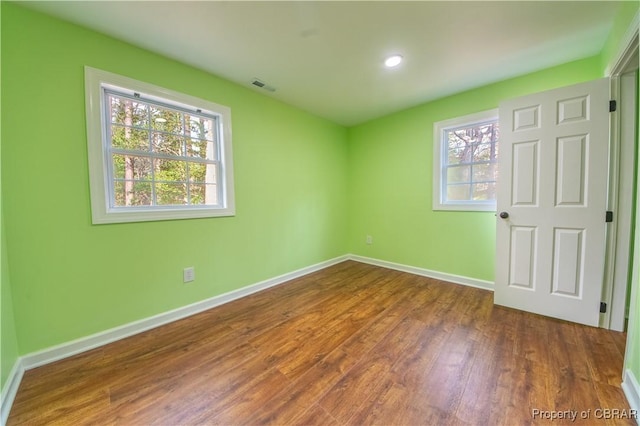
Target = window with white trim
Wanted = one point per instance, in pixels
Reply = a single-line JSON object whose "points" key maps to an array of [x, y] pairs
{"points": [[466, 162], [155, 154]]}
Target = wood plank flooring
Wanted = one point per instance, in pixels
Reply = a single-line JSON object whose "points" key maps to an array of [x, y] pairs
{"points": [[353, 344]]}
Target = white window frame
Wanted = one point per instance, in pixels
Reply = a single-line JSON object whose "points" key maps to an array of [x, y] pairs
{"points": [[440, 146], [100, 179]]}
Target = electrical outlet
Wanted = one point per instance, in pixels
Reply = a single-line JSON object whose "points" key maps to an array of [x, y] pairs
{"points": [[369, 239], [188, 274]]}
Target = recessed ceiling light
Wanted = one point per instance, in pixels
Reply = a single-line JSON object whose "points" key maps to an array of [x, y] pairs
{"points": [[393, 61]]}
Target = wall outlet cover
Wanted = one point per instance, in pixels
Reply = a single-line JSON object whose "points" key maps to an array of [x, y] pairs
{"points": [[189, 274]]}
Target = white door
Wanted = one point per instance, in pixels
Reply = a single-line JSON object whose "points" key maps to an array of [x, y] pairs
{"points": [[552, 194]]}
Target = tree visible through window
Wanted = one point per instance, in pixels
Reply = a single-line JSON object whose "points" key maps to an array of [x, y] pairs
{"points": [[467, 162]]}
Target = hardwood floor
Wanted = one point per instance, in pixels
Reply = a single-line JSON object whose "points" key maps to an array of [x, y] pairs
{"points": [[353, 344]]}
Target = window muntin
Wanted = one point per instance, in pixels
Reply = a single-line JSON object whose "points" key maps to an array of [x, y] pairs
{"points": [[465, 162], [155, 154]]}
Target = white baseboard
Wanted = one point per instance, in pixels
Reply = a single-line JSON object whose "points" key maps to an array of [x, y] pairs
{"points": [[457, 279], [631, 390], [10, 389], [93, 341]]}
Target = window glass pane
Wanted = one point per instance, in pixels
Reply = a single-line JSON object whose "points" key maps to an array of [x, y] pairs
{"points": [[131, 167], [199, 127], [456, 140], [459, 156], [170, 170], [171, 193], [166, 120], [459, 151], [461, 143], [132, 193], [129, 138], [197, 193], [201, 172], [458, 192], [458, 174], [202, 149], [472, 143], [128, 112], [168, 144], [486, 152], [197, 172], [484, 191], [487, 132], [493, 131], [484, 172], [203, 193]]}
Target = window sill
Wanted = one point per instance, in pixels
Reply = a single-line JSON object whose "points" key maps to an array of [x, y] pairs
{"points": [[148, 215], [489, 207]]}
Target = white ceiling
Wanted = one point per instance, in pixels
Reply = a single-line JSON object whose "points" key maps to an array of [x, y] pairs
{"points": [[327, 57]]}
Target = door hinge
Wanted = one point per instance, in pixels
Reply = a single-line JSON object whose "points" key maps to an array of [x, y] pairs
{"points": [[613, 105], [603, 308], [608, 217]]}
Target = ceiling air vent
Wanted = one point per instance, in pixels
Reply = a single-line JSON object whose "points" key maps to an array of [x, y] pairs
{"points": [[262, 85]]}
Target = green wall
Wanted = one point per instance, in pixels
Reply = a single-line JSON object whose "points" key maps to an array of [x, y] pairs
{"points": [[632, 360], [8, 341], [69, 278], [390, 172]]}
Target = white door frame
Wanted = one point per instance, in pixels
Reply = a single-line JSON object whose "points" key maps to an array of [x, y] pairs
{"points": [[621, 180]]}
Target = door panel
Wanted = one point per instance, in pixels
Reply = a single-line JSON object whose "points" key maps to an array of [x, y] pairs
{"points": [[553, 185], [523, 250], [525, 173], [568, 262], [571, 170]]}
